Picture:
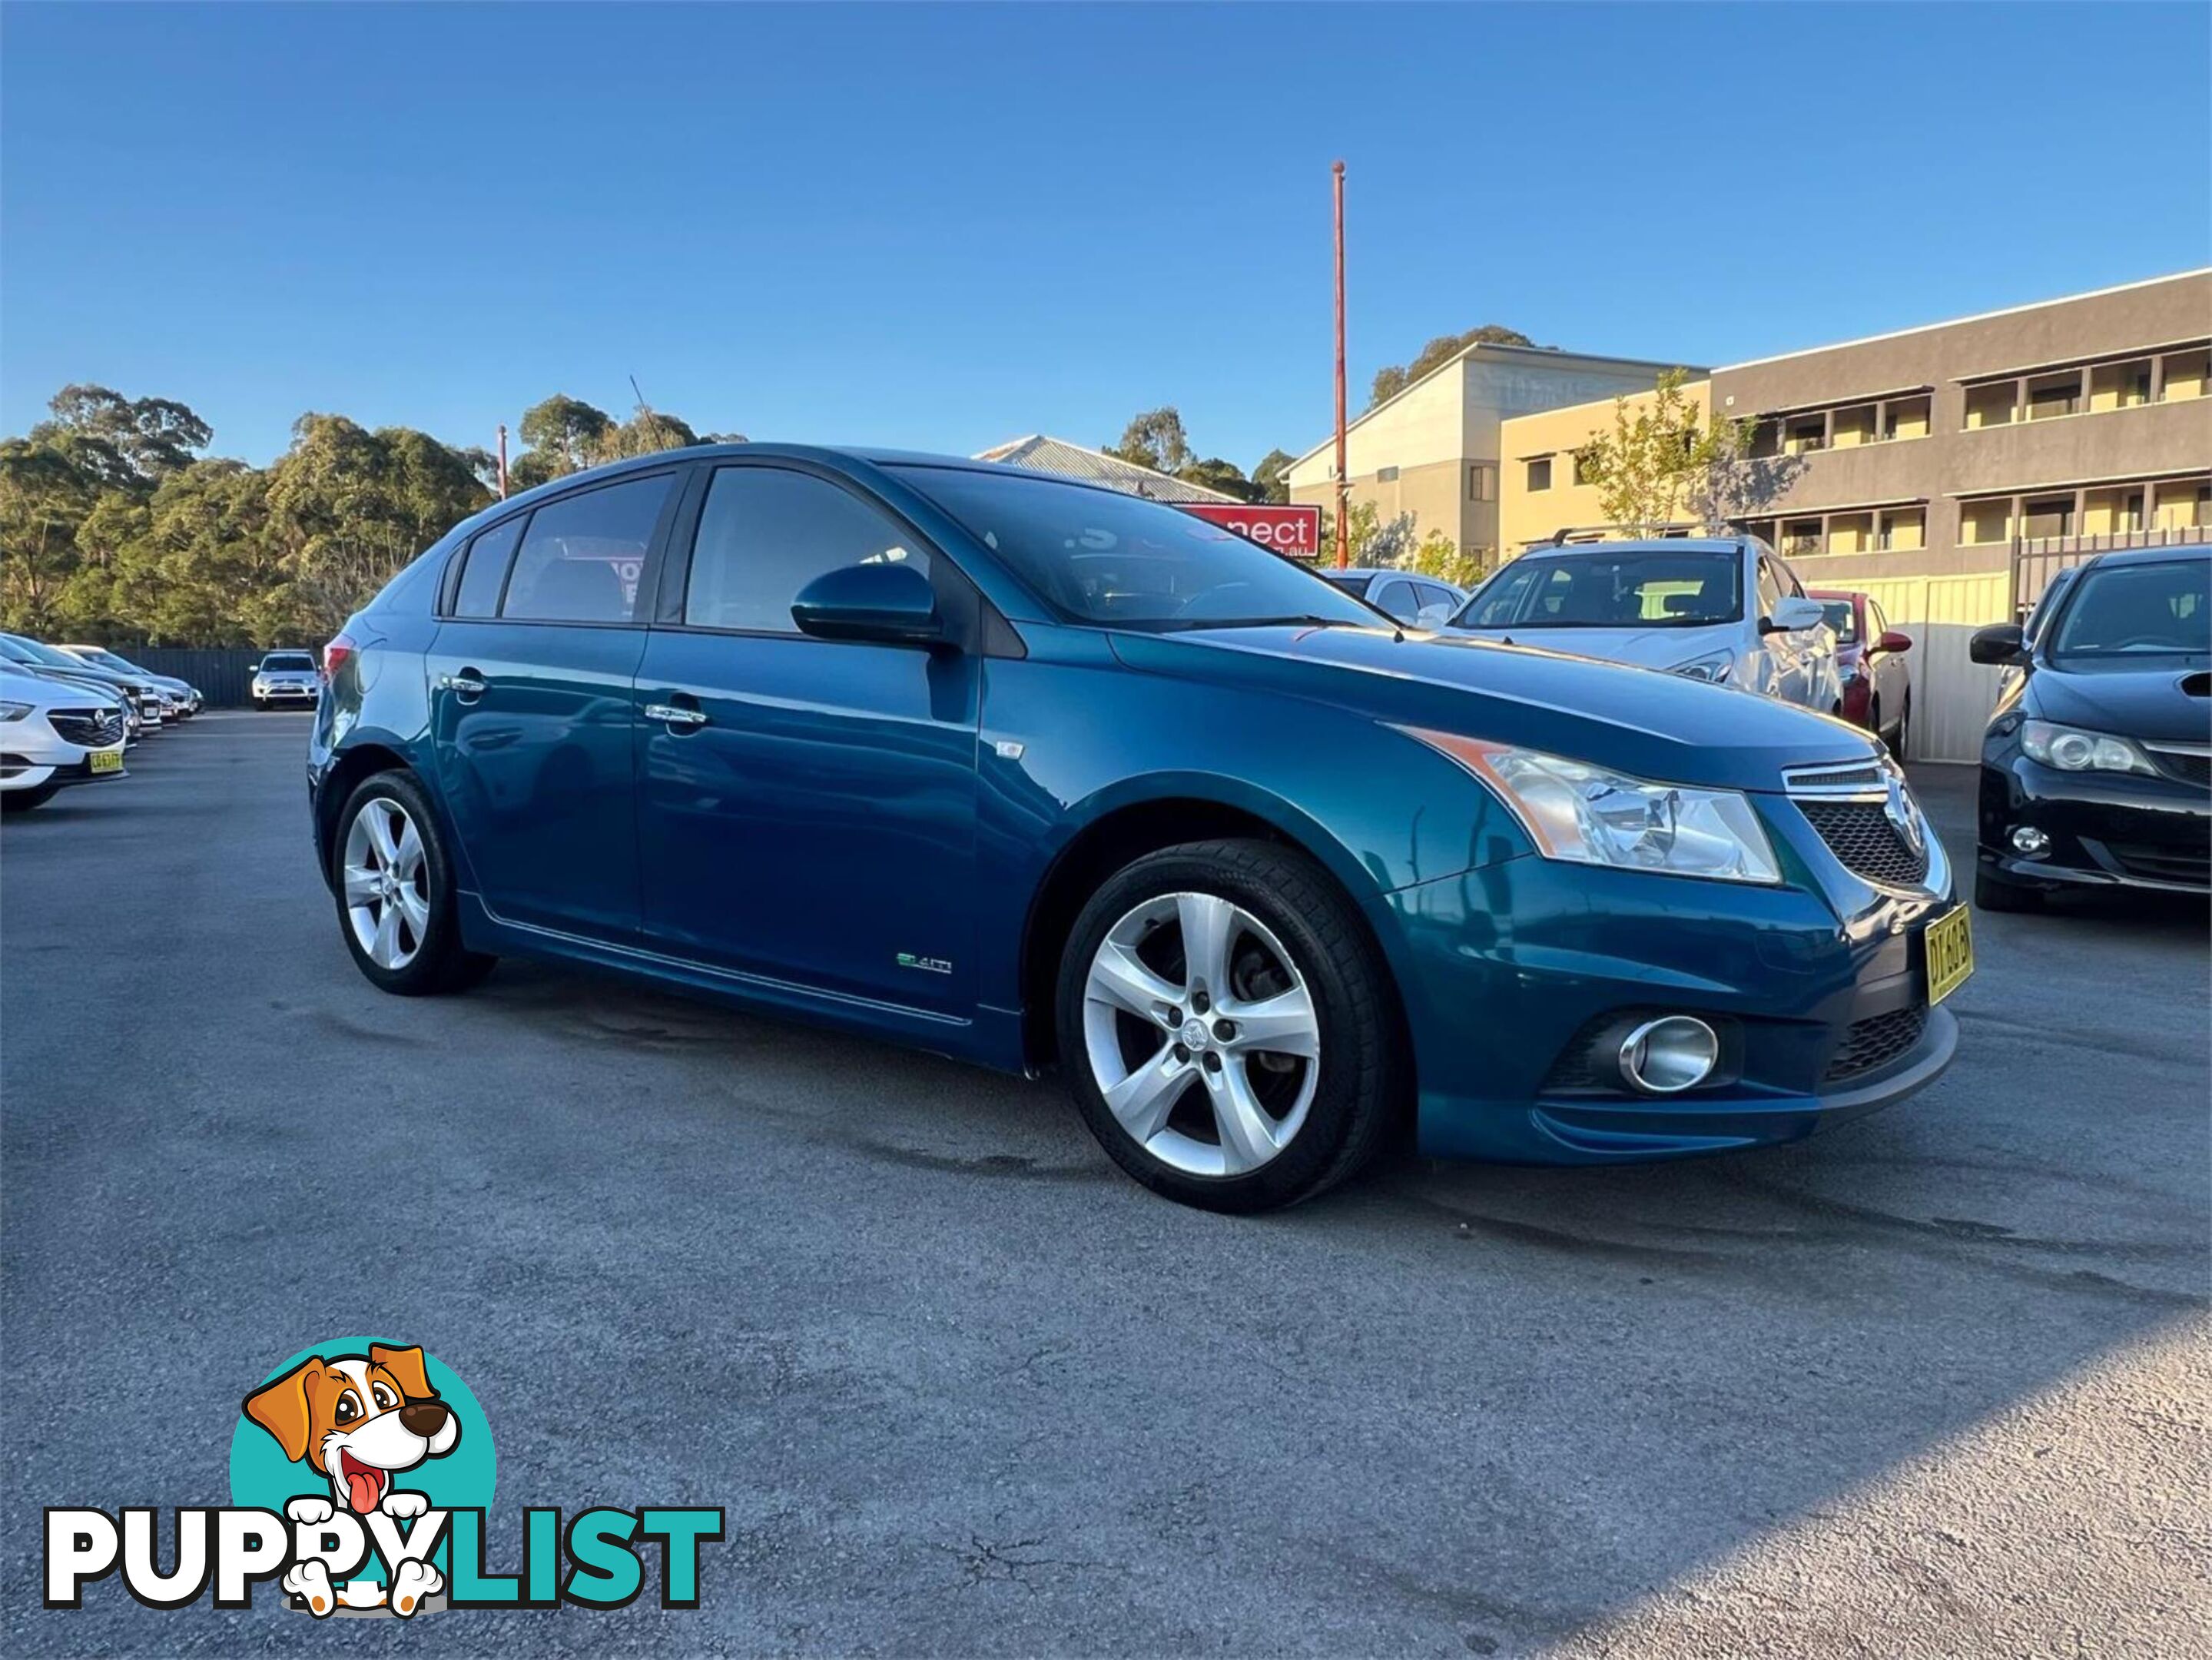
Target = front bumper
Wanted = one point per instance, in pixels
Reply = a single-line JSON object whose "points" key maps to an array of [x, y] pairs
{"points": [[2106, 830], [288, 693], [22, 772], [1513, 975]]}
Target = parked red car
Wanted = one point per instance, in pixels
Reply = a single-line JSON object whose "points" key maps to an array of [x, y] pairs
{"points": [[1870, 662]]}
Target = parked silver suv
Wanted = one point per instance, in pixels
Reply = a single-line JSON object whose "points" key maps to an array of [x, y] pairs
{"points": [[1728, 609], [287, 680]]}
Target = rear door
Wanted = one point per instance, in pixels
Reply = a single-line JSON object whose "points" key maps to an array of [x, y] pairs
{"points": [[807, 807], [531, 716]]}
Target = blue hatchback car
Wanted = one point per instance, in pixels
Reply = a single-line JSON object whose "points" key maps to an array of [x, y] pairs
{"points": [[1032, 773]]}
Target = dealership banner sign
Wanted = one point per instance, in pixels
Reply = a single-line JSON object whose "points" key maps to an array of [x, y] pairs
{"points": [[1292, 532]]}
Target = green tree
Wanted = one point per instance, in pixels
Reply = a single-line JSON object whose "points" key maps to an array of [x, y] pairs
{"points": [[1663, 463], [1440, 554], [1272, 476], [1156, 439], [562, 435], [123, 440], [1390, 380], [1215, 474], [44, 495]]}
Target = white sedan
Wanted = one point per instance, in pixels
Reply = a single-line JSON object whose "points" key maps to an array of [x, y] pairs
{"points": [[52, 734], [1728, 609]]}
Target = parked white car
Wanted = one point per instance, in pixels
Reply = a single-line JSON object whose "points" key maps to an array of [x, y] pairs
{"points": [[287, 680], [181, 695], [1727, 609], [54, 734]]}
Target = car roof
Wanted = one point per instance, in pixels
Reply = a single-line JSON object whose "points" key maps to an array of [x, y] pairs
{"points": [[2172, 552], [1648, 543], [1386, 570]]}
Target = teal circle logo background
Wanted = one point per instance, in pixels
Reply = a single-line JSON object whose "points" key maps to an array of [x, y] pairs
{"points": [[260, 1475]]}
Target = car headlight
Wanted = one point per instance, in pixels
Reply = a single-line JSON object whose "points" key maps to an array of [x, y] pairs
{"points": [[1587, 816], [2071, 750], [14, 711], [1713, 666]]}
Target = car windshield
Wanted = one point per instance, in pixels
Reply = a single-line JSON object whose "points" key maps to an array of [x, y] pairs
{"points": [[106, 660], [1611, 588], [1356, 586], [299, 660], [2137, 611], [1843, 616], [1098, 556]]}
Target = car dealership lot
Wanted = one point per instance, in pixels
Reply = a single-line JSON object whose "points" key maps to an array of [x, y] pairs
{"points": [[1924, 1381]]}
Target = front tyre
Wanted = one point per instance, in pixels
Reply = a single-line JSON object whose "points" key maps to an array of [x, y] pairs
{"points": [[395, 891], [1227, 1026]]}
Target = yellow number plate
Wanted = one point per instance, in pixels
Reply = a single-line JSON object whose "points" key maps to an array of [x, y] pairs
{"points": [[1950, 943], [107, 760]]}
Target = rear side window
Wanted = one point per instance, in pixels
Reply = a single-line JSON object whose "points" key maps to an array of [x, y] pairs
{"points": [[485, 573], [1395, 597], [766, 532], [581, 556]]}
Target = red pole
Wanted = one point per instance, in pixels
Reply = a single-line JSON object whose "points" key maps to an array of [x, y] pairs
{"points": [[1343, 486], [502, 460]]}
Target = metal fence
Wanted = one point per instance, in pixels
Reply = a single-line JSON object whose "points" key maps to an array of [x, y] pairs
{"points": [[224, 674], [2036, 560]]}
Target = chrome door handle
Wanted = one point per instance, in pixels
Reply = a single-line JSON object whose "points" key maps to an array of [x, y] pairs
{"points": [[468, 684], [671, 715]]}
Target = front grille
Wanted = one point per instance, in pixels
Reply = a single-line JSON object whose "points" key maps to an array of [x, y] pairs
{"points": [[1866, 843], [94, 729], [2155, 863], [1876, 1042], [2189, 766]]}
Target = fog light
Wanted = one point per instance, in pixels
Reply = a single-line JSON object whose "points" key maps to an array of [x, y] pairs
{"points": [[2030, 840], [1670, 1054]]}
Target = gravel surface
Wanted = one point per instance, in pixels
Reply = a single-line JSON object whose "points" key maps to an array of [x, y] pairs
{"points": [[1933, 1382]]}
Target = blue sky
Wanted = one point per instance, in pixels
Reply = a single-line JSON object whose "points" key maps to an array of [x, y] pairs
{"points": [[942, 228]]}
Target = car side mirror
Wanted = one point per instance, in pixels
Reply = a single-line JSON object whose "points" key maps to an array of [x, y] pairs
{"points": [[1794, 616], [2001, 643], [891, 602], [1892, 640]]}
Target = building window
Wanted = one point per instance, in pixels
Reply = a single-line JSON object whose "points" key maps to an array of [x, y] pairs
{"points": [[1539, 473], [1850, 532], [1985, 522], [1992, 405], [1800, 536], [1802, 432], [1906, 418], [1904, 529], [2120, 385], [2186, 373], [1855, 426], [1386, 475], [2050, 395], [1482, 482], [2045, 517], [1586, 468]]}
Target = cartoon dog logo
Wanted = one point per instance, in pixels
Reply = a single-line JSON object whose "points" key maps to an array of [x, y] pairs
{"points": [[358, 1420]]}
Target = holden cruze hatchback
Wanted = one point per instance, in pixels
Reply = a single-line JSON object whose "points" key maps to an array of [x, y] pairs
{"points": [[1036, 773]]}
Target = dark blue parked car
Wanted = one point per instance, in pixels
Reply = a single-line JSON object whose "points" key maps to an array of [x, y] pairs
{"points": [[1028, 772]]}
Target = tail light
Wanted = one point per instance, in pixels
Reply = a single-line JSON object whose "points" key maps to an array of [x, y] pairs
{"points": [[335, 656]]}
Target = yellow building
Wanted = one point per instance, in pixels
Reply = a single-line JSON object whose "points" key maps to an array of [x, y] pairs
{"points": [[1541, 491]]}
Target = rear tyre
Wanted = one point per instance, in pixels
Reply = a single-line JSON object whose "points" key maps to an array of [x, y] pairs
{"points": [[1994, 893], [394, 887], [1227, 1026], [23, 801]]}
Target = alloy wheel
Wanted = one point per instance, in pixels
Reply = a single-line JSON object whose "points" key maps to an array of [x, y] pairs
{"points": [[1201, 1034], [387, 881]]}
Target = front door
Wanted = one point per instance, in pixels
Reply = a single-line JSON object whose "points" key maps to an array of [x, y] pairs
{"points": [[806, 807], [531, 715]]}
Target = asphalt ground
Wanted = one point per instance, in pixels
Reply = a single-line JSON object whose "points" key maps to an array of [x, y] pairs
{"points": [[1934, 1382]]}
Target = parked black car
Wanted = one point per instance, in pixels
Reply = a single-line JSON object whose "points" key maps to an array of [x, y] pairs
{"points": [[2097, 765]]}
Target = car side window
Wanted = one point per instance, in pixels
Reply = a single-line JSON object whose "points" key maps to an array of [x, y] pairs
{"points": [[484, 572], [580, 555], [1395, 596], [766, 532], [1770, 588], [1500, 604], [1433, 595]]}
